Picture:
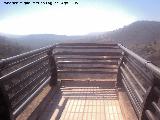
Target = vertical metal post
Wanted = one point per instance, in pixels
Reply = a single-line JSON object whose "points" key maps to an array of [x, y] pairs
{"points": [[1, 67], [149, 98], [53, 67], [119, 77]]}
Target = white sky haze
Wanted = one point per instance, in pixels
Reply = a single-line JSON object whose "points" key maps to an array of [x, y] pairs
{"points": [[68, 21], [86, 17]]}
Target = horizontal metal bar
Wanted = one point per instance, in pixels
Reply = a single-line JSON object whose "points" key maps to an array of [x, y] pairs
{"points": [[134, 55], [150, 115], [87, 62], [12, 63], [38, 81], [144, 62], [27, 78], [88, 47], [18, 110], [139, 69], [157, 108], [22, 56], [29, 93], [91, 67], [135, 78], [18, 71], [83, 60], [27, 86], [132, 97], [86, 44], [131, 90], [139, 96], [88, 72], [89, 53], [93, 58], [85, 79]]}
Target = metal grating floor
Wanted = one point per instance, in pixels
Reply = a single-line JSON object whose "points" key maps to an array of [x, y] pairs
{"points": [[85, 100]]}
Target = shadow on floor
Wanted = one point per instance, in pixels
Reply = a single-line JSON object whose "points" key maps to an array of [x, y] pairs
{"points": [[80, 99]]}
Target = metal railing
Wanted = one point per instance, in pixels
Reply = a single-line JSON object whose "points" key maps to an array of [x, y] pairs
{"points": [[141, 80], [82, 59], [23, 76]]}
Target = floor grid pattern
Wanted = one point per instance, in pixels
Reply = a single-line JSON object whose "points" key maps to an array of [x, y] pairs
{"points": [[87, 101]]}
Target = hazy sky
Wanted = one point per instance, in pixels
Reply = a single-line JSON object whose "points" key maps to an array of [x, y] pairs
{"points": [[74, 19]]}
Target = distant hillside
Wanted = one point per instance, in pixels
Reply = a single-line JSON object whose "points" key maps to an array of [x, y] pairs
{"points": [[15, 44], [137, 32], [8, 48], [40, 40], [143, 37]]}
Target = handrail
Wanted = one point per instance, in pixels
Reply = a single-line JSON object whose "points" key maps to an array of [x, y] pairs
{"points": [[146, 63], [31, 71], [20, 56], [23, 76], [142, 80]]}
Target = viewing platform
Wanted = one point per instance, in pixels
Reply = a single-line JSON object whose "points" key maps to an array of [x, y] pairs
{"points": [[79, 81]]}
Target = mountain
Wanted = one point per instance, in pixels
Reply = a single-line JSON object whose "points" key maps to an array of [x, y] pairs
{"points": [[137, 32], [143, 37]]}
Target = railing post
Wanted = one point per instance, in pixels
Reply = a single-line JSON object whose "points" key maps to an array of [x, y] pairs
{"points": [[53, 67], [119, 77], [1, 67], [150, 97]]}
